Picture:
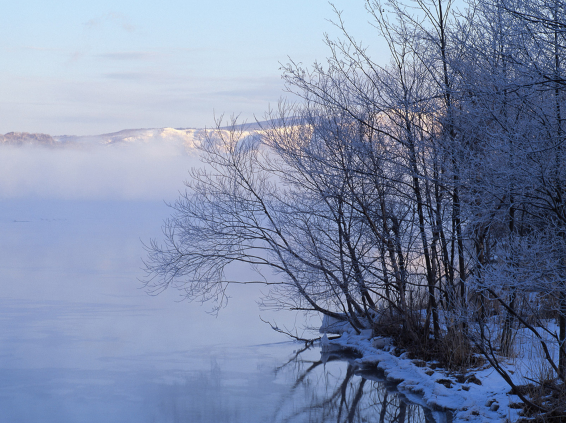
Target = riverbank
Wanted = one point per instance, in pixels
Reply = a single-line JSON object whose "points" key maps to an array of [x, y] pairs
{"points": [[480, 395]]}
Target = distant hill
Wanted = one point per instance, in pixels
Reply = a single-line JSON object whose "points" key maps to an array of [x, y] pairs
{"points": [[25, 138], [182, 136]]}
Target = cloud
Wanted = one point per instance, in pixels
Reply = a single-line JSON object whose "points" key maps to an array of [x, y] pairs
{"points": [[112, 17], [128, 76], [128, 55], [75, 56], [260, 89], [36, 48]]}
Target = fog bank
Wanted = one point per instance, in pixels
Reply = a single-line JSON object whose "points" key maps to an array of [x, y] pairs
{"points": [[139, 171]]}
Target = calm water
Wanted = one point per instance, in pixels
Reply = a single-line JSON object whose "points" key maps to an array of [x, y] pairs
{"points": [[81, 342]]}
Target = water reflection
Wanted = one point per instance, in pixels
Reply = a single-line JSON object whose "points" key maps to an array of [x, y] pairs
{"points": [[81, 343], [256, 384], [333, 388]]}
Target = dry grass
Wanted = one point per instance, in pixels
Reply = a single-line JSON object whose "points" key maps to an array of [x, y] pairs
{"points": [[453, 351], [547, 394]]}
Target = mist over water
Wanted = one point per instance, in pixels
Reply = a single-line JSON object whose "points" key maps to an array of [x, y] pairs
{"points": [[81, 340], [145, 171]]}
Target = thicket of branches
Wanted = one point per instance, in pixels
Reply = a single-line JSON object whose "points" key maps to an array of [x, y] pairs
{"points": [[425, 197]]}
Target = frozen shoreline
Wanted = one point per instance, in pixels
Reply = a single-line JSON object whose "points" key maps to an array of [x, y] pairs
{"points": [[469, 402]]}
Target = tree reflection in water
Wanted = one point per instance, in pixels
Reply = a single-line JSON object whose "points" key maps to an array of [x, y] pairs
{"points": [[249, 385], [335, 389]]}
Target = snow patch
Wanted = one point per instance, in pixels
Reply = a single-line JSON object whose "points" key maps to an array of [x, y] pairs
{"points": [[436, 389]]}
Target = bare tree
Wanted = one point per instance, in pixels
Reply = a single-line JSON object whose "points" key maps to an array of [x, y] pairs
{"points": [[427, 192]]}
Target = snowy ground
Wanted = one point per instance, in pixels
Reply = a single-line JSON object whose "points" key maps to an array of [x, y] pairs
{"points": [[439, 390]]}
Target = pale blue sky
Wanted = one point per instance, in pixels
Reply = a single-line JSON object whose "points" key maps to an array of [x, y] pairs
{"points": [[90, 67]]}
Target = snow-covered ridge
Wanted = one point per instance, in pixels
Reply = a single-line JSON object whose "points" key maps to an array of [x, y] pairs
{"points": [[179, 136], [25, 138]]}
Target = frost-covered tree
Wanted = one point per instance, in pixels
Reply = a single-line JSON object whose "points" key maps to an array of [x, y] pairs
{"points": [[514, 99], [423, 196]]}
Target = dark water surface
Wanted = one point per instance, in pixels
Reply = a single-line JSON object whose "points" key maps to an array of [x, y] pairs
{"points": [[81, 342], [254, 384]]}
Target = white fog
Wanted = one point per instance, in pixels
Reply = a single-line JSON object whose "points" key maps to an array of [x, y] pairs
{"points": [[82, 341]]}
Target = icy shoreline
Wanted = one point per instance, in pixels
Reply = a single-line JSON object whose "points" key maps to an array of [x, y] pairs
{"points": [[436, 388]]}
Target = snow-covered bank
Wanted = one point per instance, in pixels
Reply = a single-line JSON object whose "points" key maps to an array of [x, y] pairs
{"points": [[481, 396]]}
